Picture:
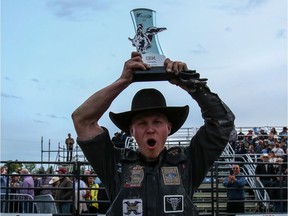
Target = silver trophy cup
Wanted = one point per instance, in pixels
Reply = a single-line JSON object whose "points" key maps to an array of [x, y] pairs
{"points": [[146, 42]]}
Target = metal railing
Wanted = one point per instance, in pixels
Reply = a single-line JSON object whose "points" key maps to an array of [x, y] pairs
{"points": [[213, 203], [17, 203]]}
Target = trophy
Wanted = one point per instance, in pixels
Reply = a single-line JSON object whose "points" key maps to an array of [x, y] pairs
{"points": [[146, 42]]}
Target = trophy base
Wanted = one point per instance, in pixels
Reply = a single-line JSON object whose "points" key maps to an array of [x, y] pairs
{"points": [[160, 74]]}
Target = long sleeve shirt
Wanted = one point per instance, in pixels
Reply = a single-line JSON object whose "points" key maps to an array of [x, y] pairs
{"points": [[28, 184], [136, 186], [235, 190]]}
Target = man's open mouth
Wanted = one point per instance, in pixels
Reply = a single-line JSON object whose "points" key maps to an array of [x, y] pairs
{"points": [[151, 142]]}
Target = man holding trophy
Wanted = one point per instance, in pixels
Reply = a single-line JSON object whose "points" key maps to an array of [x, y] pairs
{"points": [[152, 180]]}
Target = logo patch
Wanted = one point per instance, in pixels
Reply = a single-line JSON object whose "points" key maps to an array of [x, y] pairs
{"points": [[173, 203], [170, 175], [132, 207], [136, 177]]}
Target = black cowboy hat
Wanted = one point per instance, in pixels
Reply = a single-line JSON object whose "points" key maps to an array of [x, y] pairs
{"points": [[150, 100]]}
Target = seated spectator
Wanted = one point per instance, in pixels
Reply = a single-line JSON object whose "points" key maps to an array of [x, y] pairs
{"points": [[266, 147], [272, 157], [264, 171], [241, 148], [272, 134], [284, 135], [281, 165], [259, 147], [263, 134], [283, 145], [279, 152], [240, 135], [249, 136], [251, 149], [275, 139]]}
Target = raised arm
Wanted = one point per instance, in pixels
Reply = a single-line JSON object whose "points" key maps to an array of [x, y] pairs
{"points": [[86, 117]]}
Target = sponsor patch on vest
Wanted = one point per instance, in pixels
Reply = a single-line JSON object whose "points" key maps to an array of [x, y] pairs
{"points": [[173, 203], [170, 175], [136, 177], [132, 207]]}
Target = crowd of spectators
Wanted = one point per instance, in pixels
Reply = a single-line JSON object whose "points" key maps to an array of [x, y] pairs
{"points": [[270, 150], [259, 141], [24, 186]]}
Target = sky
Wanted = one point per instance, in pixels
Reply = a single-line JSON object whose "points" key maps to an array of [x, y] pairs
{"points": [[56, 53]]}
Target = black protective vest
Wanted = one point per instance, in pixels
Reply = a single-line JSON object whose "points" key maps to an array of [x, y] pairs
{"points": [[153, 190], [139, 188]]}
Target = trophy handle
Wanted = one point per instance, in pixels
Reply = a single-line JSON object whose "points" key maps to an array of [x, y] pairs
{"points": [[160, 74]]}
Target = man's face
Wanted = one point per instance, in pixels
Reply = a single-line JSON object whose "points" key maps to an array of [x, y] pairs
{"points": [[4, 171], [15, 178], [236, 169], [150, 131], [91, 180]]}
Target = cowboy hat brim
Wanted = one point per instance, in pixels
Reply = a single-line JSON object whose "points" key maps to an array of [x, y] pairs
{"points": [[53, 180], [264, 156], [176, 115]]}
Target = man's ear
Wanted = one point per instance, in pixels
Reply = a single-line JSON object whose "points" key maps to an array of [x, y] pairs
{"points": [[169, 127], [131, 131]]}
